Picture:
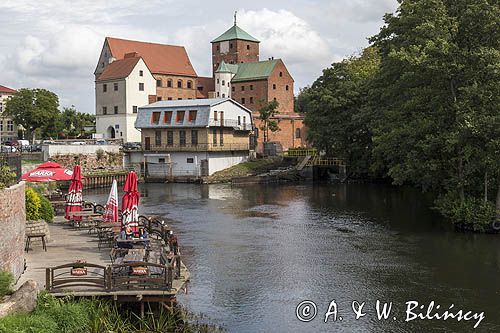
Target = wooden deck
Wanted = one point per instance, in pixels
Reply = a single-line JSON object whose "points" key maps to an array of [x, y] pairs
{"points": [[69, 245]]}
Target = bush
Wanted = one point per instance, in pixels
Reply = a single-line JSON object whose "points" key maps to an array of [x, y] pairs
{"points": [[33, 204], [472, 211], [7, 177], [46, 209], [6, 282]]}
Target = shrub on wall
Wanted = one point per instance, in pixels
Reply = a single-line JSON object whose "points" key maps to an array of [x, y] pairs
{"points": [[7, 177], [46, 209], [33, 204]]}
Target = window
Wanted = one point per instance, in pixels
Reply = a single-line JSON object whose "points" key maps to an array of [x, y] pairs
{"points": [[158, 83], [243, 100], [155, 118], [161, 160], [274, 86], [180, 117], [297, 133], [194, 137], [141, 86], [218, 81], [214, 139], [242, 88], [167, 118], [182, 138], [286, 87], [223, 82], [274, 99], [251, 100], [134, 109], [169, 83], [170, 98], [190, 85], [192, 116], [281, 74], [1, 125], [218, 94], [179, 84], [230, 45], [104, 110], [180, 98], [115, 86], [223, 95], [251, 87], [215, 115], [218, 47], [104, 87], [158, 138], [10, 125], [239, 120], [248, 47], [170, 138], [116, 109], [232, 88], [245, 121], [141, 73], [221, 136], [190, 160], [117, 126]]}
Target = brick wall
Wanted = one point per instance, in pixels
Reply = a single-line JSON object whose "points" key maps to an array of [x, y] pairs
{"points": [[241, 51], [281, 87], [38, 227], [288, 135], [12, 220], [254, 93], [105, 161], [166, 92]]}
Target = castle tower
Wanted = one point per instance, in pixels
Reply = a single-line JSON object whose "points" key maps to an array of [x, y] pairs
{"points": [[234, 46]]}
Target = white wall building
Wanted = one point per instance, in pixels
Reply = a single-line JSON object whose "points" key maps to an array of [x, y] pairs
{"points": [[223, 77], [121, 88], [8, 130], [193, 138]]}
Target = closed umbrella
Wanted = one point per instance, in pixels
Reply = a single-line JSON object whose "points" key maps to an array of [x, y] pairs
{"points": [[74, 197], [46, 172], [111, 208], [130, 202]]}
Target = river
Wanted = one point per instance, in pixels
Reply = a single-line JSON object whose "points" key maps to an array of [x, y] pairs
{"points": [[256, 252]]}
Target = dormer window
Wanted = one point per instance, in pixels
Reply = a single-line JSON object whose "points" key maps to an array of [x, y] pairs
{"points": [[155, 118], [192, 116], [180, 117], [168, 117]]}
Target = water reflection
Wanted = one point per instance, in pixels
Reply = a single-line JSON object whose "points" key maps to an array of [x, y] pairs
{"points": [[255, 252]]}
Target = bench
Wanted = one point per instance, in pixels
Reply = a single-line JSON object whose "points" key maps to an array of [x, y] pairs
{"points": [[30, 236]]}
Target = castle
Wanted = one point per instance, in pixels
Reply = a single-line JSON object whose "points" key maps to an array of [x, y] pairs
{"points": [[132, 74]]}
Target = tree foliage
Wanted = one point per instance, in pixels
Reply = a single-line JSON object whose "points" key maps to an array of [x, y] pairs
{"points": [[266, 114], [427, 113]]}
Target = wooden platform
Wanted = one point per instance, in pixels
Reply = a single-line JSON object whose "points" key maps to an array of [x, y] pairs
{"points": [[68, 245]]}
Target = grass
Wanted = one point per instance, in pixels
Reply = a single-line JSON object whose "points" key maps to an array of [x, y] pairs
{"points": [[31, 162], [249, 168], [70, 315], [6, 282]]}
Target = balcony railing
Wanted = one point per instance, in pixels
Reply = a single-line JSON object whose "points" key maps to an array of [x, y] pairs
{"points": [[198, 147], [237, 125]]}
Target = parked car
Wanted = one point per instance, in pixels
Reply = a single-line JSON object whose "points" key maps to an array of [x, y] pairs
{"points": [[132, 146], [8, 149], [101, 142], [78, 143]]}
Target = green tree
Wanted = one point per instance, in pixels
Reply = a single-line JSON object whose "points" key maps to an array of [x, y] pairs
{"points": [[336, 110], [36, 110], [266, 114], [72, 123]]}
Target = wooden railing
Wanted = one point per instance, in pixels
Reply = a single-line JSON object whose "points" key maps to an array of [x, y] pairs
{"points": [[198, 147], [138, 275], [299, 152]]}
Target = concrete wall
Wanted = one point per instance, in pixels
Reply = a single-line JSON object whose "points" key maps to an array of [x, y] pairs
{"points": [[52, 150], [223, 160], [12, 221]]}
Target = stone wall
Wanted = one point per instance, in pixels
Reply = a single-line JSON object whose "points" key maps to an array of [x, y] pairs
{"points": [[38, 227], [101, 160], [12, 221]]}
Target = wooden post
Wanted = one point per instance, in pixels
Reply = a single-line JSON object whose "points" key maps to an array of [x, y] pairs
{"points": [[47, 279]]}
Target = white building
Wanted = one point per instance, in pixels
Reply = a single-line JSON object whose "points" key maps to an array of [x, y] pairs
{"points": [[223, 77], [193, 138], [8, 131], [121, 88]]}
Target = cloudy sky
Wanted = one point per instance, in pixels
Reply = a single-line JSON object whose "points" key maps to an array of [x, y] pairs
{"points": [[55, 44]]}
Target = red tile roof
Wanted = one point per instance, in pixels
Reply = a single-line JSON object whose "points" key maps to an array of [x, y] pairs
{"points": [[160, 58], [118, 69], [6, 90]]}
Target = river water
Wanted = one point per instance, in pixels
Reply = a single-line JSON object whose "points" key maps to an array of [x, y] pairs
{"points": [[256, 252]]}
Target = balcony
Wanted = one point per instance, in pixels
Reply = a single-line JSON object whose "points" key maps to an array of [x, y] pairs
{"points": [[235, 124], [197, 147]]}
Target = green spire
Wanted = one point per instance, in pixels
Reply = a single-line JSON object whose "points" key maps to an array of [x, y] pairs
{"points": [[227, 68], [235, 32]]}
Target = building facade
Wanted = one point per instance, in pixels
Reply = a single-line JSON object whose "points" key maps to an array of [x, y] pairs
{"points": [[8, 130], [239, 74], [193, 138], [174, 78]]}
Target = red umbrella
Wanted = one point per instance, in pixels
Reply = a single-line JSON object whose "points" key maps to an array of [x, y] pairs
{"points": [[130, 202], [111, 209], [74, 198], [46, 172]]}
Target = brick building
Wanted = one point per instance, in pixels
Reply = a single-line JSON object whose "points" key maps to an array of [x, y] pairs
{"points": [[239, 74]]}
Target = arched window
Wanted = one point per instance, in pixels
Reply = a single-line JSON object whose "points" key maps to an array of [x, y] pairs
{"points": [[190, 85], [169, 83], [297, 133], [179, 84]]}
